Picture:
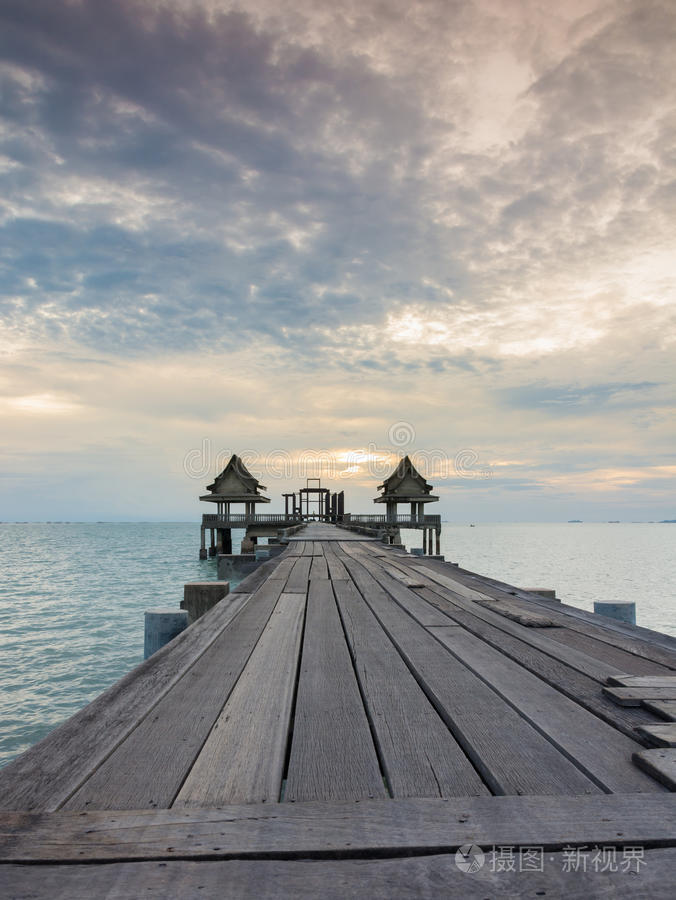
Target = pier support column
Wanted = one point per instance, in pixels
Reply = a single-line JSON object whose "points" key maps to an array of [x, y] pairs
{"points": [[438, 540], [623, 611], [424, 542], [203, 546], [200, 596], [162, 626]]}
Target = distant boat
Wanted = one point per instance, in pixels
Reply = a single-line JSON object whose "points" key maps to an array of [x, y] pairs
{"points": [[471, 526], [613, 521], [574, 520]]}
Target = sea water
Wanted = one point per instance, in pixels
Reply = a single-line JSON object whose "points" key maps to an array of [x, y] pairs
{"points": [[72, 595]]}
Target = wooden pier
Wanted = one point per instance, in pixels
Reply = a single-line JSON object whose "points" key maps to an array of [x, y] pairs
{"points": [[353, 721]]}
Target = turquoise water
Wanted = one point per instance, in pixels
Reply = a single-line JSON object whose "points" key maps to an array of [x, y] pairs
{"points": [[72, 596]]}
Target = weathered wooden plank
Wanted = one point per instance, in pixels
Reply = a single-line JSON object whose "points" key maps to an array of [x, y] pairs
{"points": [[651, 645], [45, 776], [242, 761], [509, 607], [535, 637], [633, 696], [332, 752], [296, 547], [626, 662], [399, 575], [643, 681], [419, 755], [419, 877], [319, 568], [598, 749], [148, 768], [258, 577], [416, 577], [339, 829], [661, 764], [283, 570], [405, 597], [659, 735], [337, 571], [509, 754], [666, 709], [606, 628], [574, 684], [297, 582]]}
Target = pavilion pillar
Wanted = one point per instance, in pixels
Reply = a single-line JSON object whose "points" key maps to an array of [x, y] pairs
{"points": [[421, 513], [438, 537]]}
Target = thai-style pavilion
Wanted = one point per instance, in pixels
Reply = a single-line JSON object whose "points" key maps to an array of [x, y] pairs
{"points": [[407, 485], [234, 486]]}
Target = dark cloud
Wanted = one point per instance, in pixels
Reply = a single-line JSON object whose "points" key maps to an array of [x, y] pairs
{"points": [[187, 177]]}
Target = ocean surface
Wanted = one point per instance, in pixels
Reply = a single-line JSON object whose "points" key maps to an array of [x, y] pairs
{"points": [[72, 595]]}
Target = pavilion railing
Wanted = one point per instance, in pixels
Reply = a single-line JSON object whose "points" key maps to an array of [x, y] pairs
{"points": [[238, 520], [401, 521]]}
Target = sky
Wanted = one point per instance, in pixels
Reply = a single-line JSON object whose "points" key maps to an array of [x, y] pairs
{"points": [[326, 234]]}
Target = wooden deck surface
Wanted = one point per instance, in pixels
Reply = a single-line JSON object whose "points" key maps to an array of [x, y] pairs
{"points": [[339, 726]]}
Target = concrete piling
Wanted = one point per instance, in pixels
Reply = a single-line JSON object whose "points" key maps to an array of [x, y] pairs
{"points": [[162, 626], [200, 596], [622, 610]]}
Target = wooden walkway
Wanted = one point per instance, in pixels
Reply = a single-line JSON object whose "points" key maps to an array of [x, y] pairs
{"points": [[341, 725]]}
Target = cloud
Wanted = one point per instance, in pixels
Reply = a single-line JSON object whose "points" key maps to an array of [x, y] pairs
{"points": [[456, 213]]}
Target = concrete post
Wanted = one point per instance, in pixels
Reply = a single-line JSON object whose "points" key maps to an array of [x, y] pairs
{"points": [[623, 611], [200, 596], [549, 593], [162, 626]]}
